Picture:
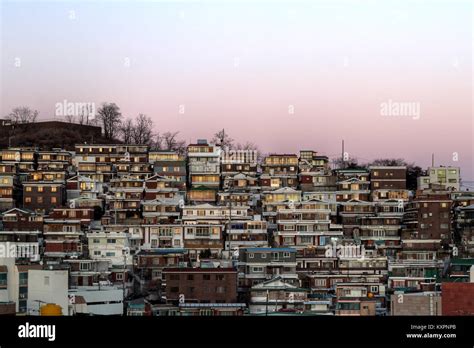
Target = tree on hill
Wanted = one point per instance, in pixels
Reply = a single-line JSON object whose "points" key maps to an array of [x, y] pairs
{"points": [[22, 114], [110, 117], [223, 139], [413, 171]]}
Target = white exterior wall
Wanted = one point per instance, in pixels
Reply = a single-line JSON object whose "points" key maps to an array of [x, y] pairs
{"points": [[48, 287], [108, 300], [103, 247]]}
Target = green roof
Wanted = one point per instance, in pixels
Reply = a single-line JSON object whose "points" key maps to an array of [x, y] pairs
{"points": [[462, 262]]}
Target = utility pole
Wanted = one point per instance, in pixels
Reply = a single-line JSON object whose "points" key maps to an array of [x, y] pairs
{"points": [[266, 305], [230, 212], [342, 154], [124, 252]]}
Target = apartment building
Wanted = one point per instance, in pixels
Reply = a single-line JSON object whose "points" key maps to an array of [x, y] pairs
{"points": [[23, 158], [238, 162], [150, 263], [427, 221], [83, 186], [123, 201], [14, 283], [43, 196], [279, 171], [277, 199], [449, 178], [169, 164], [64, 234], [10, 188], [203, 171], [246, 234], [55, 159], [276, 296], [200, 285], [388, 182], [303, 224], [257, 265]]}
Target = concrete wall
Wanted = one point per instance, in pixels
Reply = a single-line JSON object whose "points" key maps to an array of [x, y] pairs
{"points": [[48, 287], [415, 304]]}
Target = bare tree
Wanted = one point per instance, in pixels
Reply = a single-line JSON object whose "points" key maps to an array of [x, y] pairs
{"points": [[143, 130], [69, 118], [110, 116], [350, 163], [127, 131], [249, 146], [413, 171], [169, 141], [84, 114], [388, 162], [22, 114], [223, 139]]}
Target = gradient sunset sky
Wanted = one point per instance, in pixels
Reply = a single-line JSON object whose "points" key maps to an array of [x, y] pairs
{"points": [[243, 65]]}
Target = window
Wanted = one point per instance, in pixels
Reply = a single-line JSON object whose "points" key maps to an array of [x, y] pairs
{"points": [[54, 200], [39, 199], [119, 276], [286, 255], [40, 188], [54, 189], [251, 255], [190, 277], [111, 241], [110, 254], [84, 266], [27, 199], [28, 189], [206, 277], [257, 269]]}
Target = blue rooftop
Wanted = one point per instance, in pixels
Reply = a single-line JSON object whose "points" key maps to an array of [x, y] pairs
{"points": [[162, 251]]}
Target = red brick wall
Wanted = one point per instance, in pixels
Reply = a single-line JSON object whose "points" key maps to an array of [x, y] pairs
{"points": [[457, 298]]}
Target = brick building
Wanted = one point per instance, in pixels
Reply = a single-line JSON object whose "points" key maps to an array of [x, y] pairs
{"points": [[201, 285], [457, 298]]}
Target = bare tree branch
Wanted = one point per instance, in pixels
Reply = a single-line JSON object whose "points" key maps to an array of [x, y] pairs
{"points": [[22, 114], [110, 117]]}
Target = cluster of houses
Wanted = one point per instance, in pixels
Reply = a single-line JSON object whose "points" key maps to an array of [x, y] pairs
{"points": [[121, 229]]}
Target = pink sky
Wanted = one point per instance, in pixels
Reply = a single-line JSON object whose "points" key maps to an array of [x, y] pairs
{"points": [[239, 66]]}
